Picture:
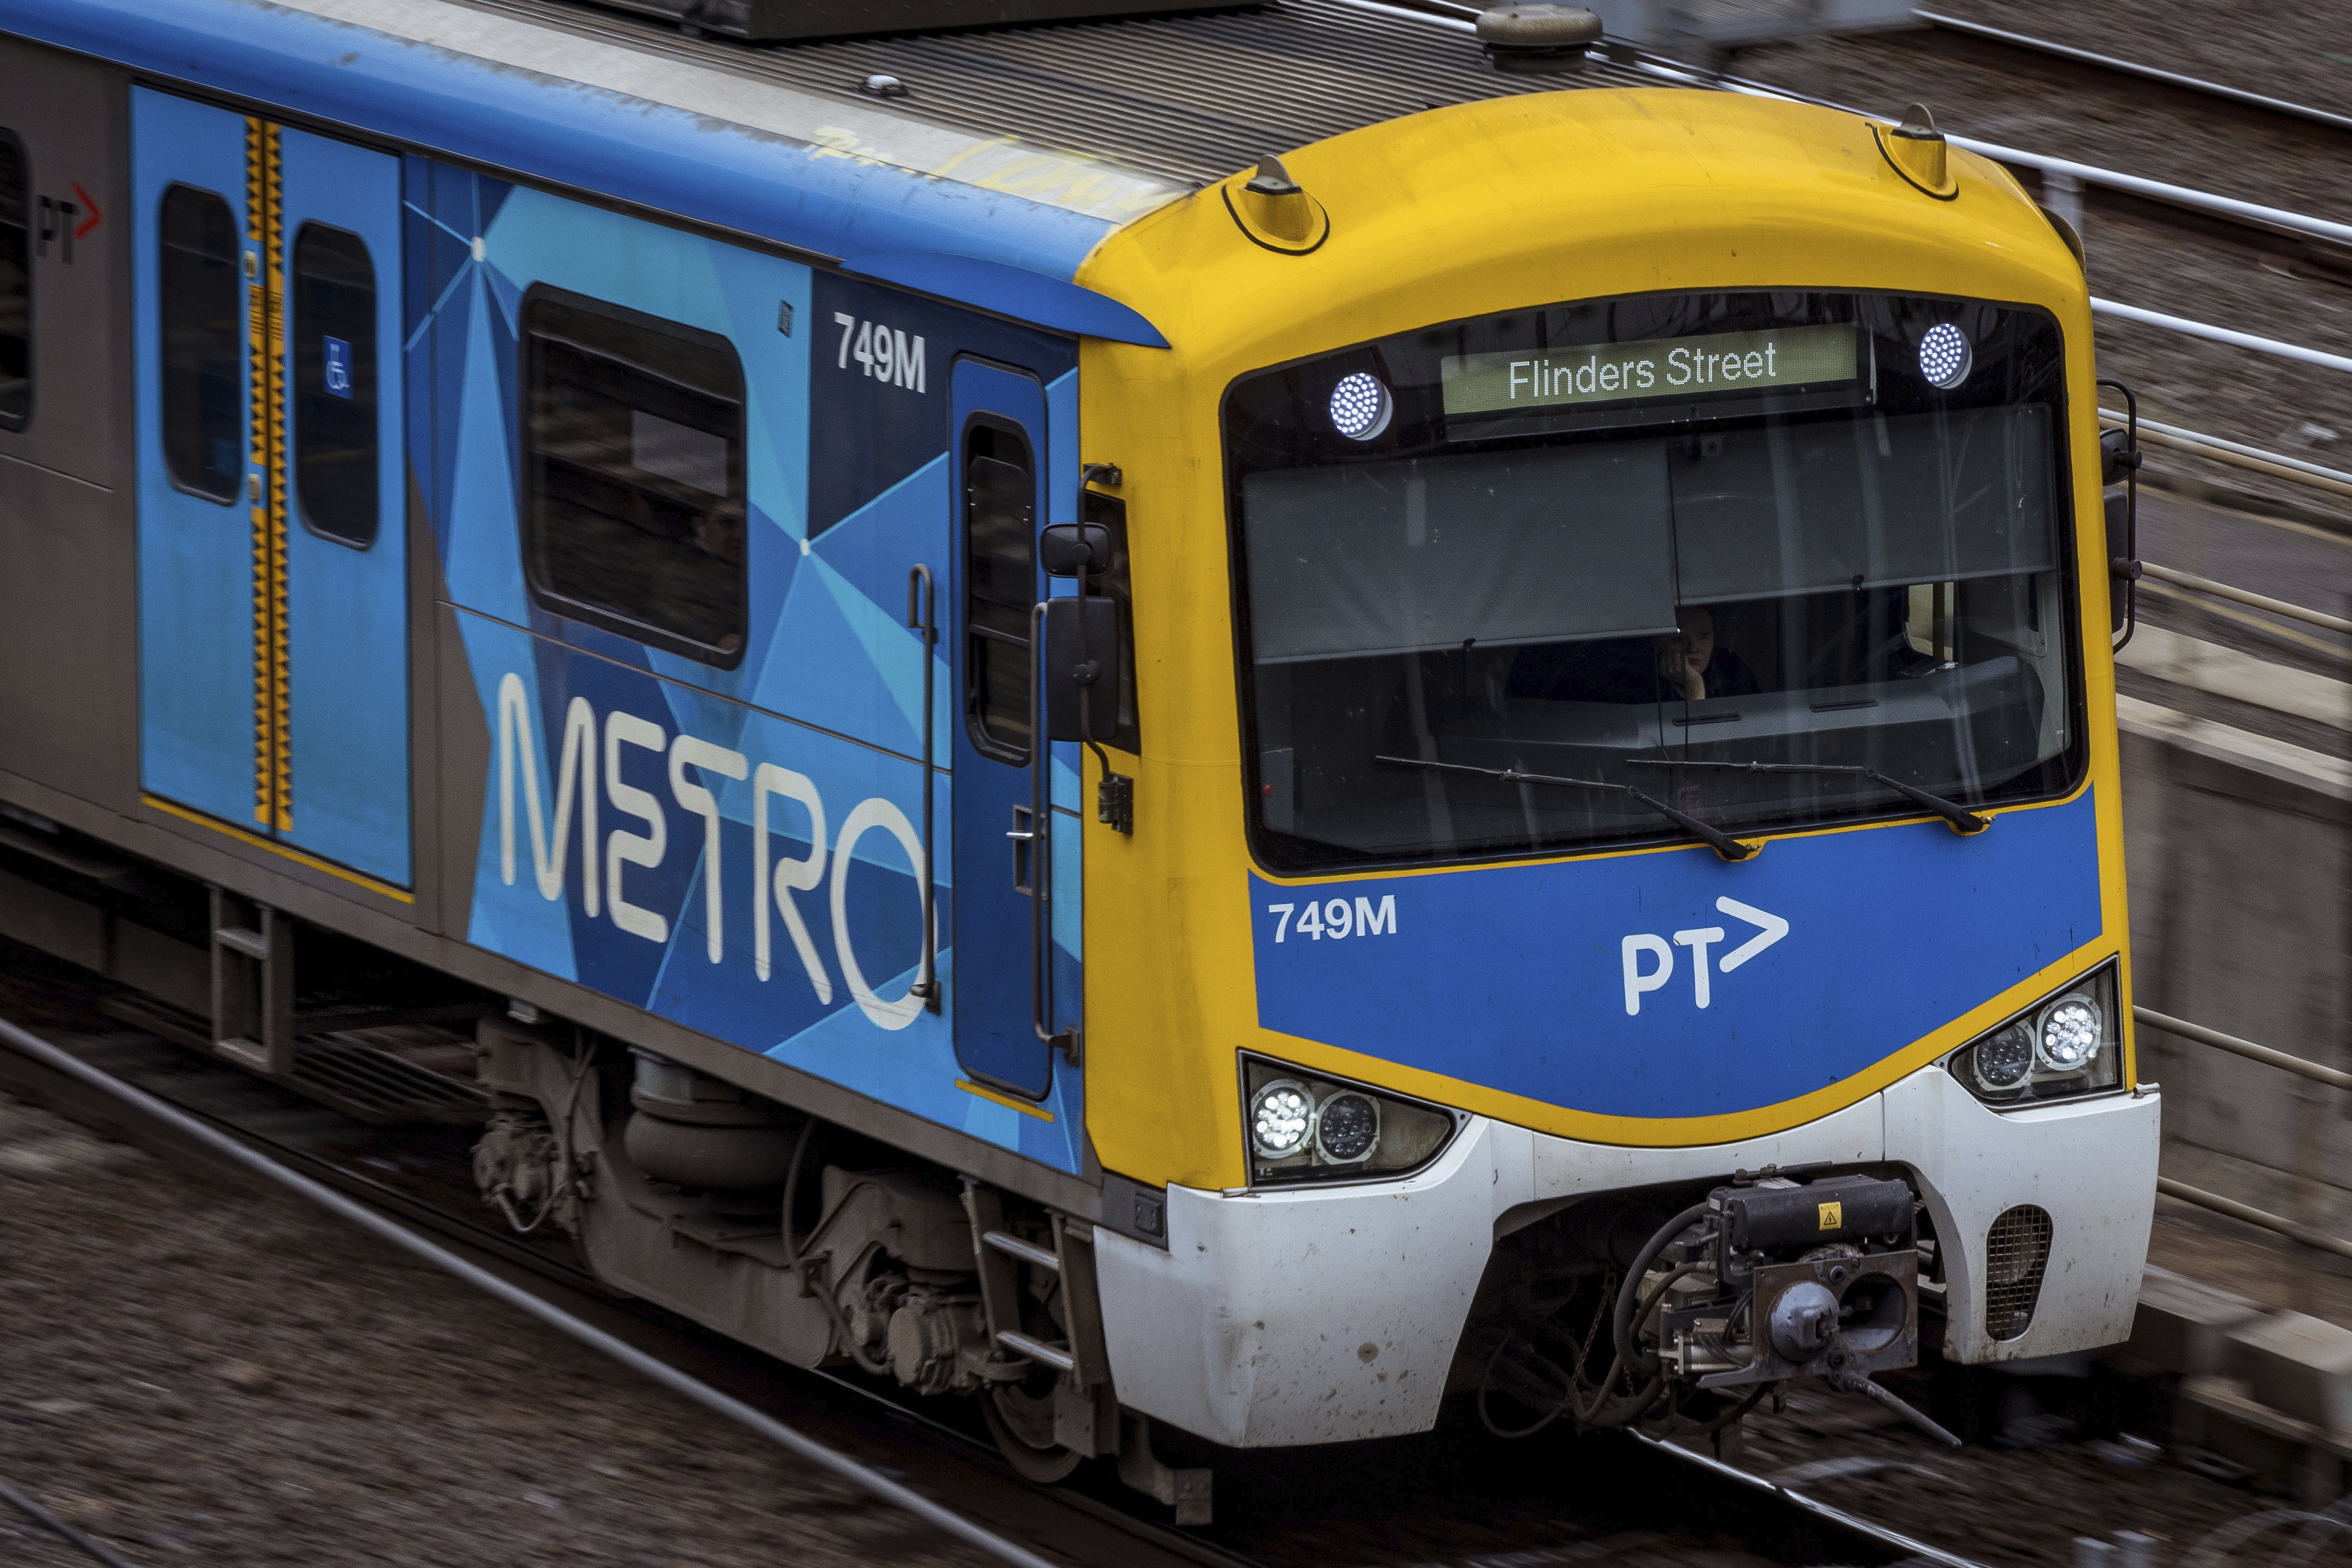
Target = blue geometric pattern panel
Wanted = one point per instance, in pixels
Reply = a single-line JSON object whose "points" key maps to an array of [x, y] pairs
{"points": [[732, 848]]}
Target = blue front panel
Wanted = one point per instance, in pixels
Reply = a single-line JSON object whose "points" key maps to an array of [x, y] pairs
{"points": [[847, 487], [1677, 985], [196, 553], [347, 608]]}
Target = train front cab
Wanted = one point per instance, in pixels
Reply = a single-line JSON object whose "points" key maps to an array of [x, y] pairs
{"points": [[1413, 985]]}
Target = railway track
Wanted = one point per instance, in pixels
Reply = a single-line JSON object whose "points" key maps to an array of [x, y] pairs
{"points": [[1621, 1499], [2063, 65], [2312, 247]]}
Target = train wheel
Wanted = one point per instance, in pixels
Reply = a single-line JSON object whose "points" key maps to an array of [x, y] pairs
{"points": [[1021, 1419]]}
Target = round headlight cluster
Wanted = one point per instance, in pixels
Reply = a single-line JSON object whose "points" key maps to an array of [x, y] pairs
{"points": [[1285, 1120], [1360, 406], [1945, 356], [1282, 1119], [2070, 1034], [2005, 1058]]}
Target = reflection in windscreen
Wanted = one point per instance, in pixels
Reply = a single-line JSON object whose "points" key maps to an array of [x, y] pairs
{"points": [[1877, 589]]}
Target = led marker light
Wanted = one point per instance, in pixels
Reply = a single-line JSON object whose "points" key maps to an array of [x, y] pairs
{"points": [[1348, 1128], [1945, 356], [2004, 1057], [2071, 1031], [1360, 406], [1282, 1115]]}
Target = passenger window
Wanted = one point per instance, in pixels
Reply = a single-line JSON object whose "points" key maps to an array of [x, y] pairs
{"points": [[335, 384], [201, 328], [999, 490], [15, 284], [634, 460]]}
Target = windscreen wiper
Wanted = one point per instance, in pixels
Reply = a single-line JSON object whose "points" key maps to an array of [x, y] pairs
{"points": [[1962, 819], [1722, 843]]}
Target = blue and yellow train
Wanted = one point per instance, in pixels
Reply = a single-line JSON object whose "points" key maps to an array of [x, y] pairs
{"points": [[1324, 729]]}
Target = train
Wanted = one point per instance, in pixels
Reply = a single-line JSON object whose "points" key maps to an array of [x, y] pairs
{"points": [[1223, 728]]}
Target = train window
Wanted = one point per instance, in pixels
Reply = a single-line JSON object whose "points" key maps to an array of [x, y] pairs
{"points": [[335, 384], [202, 331], [1480, 614], [634, 511], [15, 284], [1000, 488]]}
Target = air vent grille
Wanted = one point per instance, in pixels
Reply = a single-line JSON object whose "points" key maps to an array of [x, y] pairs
{"points": [[2017, 1250]]}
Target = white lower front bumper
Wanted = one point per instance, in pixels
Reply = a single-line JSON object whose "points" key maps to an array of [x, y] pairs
{"points": [[1330, 1314]]}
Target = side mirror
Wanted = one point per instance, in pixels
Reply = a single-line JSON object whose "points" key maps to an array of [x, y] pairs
{"points": [[1066, 549], [1084, 658]]}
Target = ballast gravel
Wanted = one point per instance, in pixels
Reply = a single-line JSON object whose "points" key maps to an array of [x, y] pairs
{"points": [[205, 1372]]}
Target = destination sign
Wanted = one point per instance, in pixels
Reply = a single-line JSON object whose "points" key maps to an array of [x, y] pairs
{"points": [[1775, 357]]}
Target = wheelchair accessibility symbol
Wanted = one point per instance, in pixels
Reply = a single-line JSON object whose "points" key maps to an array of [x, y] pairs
{"points": [[339, 367]]}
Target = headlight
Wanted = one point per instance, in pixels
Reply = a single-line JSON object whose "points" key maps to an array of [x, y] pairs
{"points": [[2071, 1033], [1307, 1129], [2064, 1045], [1281, 1116]]}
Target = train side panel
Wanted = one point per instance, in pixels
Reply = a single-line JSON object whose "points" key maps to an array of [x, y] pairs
{"points": [[726, 836]]}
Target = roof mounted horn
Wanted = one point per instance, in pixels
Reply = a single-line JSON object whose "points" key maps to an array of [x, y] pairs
{"points": [[1276, 211], [1919, 153]]}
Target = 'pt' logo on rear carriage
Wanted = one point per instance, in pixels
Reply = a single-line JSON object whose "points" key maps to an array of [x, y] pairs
{"points": [[1640, 983]]}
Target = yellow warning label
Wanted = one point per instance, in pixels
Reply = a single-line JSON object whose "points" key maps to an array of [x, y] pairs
{"points": [[1832, 1216]]}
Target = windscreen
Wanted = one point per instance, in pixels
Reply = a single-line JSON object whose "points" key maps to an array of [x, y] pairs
{"points": [[1496, 577]]}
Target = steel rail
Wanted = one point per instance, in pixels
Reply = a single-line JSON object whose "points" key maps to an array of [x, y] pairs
{"points": [[2182, 324], [1918, 1553], [2247, 1049], [1197, 1549], [2240, 595], [2269, 1057], [2277, 465], [2253, 1215], [31, 1509], [219, 1144], [2252, 212], [2203, 89]]}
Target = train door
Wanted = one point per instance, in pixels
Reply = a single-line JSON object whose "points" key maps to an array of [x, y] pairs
{"points": [[273, 637], [998, 496]]}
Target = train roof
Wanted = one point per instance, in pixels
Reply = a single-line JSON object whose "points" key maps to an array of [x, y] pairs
{"points": [[1013, 153], [1186, 100]]}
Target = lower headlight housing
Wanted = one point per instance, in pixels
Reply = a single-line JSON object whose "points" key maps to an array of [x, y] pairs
{"points": [[1352, 1133], [2069, 1043]]}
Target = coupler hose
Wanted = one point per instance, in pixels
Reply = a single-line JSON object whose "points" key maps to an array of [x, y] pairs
{"points": [[1628, 1294]]}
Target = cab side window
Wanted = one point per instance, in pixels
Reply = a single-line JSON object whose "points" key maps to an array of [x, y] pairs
{"points": [[204, 370], [999, 505], [15, 284], [633, 456], [335, 384]]}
